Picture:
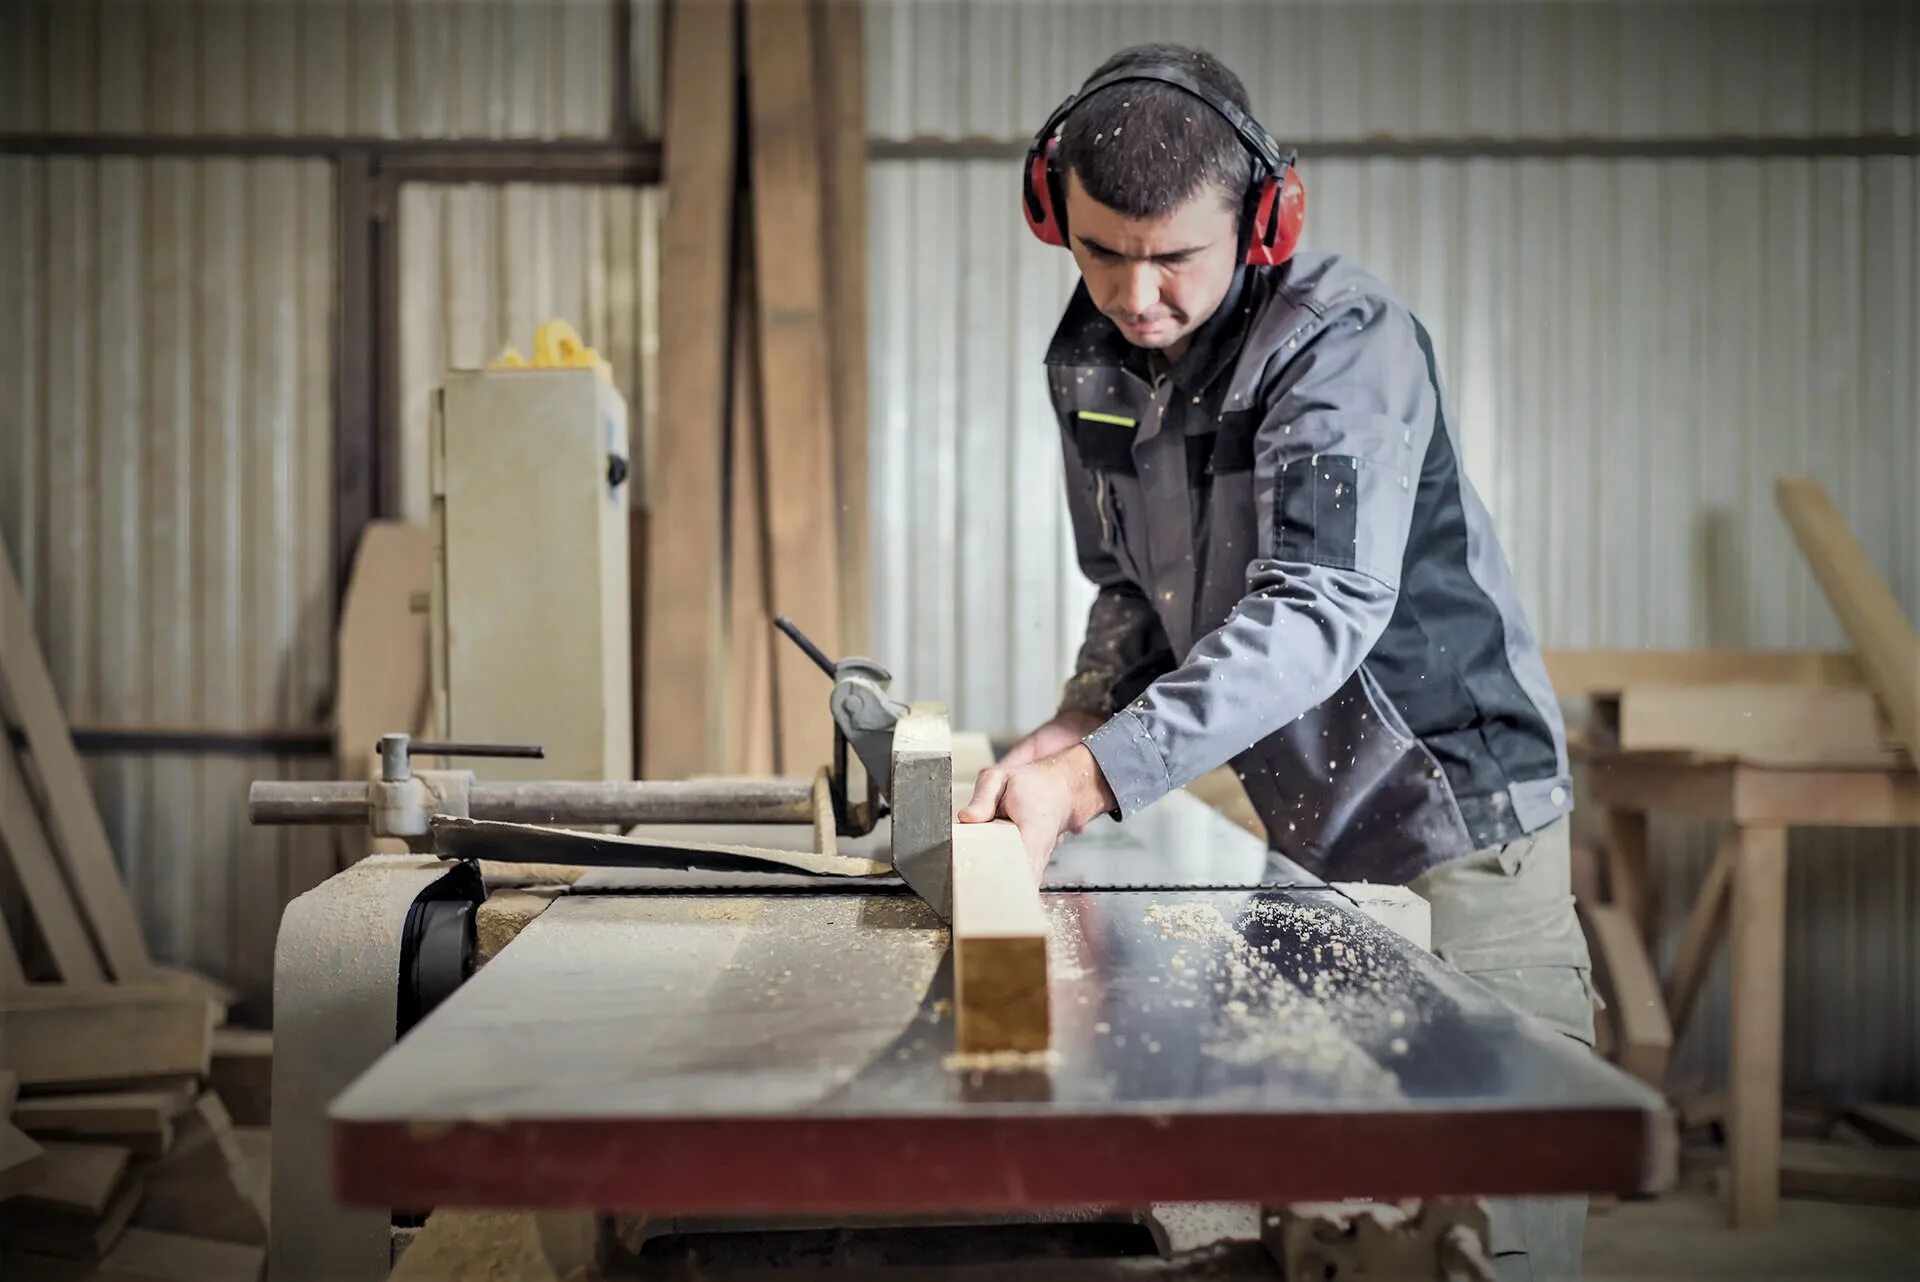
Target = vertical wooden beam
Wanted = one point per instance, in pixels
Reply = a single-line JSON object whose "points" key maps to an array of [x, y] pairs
{"points": [[681, 701], [840, 63], [1628, 877], [1759, 977], [1882, 636], [748, 695], [356, 417], [803, 507]]}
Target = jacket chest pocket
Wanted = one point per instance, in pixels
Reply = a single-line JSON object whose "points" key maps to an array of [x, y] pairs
{"points": [[1105, 444]]}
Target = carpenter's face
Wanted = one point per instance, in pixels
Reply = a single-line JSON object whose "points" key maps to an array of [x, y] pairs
{"points": [[1158, 279]]}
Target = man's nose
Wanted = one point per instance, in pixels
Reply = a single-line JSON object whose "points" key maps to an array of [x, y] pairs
{"points": [[1139, 288]]}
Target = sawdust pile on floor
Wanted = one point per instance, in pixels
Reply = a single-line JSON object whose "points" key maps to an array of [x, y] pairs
{"points": [[1307, 1020]]}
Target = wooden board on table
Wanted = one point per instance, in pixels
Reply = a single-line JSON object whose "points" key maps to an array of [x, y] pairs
{"points": [[1881, 633], [1578, 673], [681, 732], [797, 433], [78, 1035], [840, 64], [923, 788], [73, 822], [999, 943], [24, 843], [1782, 723]]}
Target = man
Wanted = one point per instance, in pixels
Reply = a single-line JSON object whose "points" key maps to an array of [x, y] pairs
{"points": [[1294, 574]]}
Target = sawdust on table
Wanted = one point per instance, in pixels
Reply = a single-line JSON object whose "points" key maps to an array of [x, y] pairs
{"points": [[1306, 1019], [1001, 1061]]}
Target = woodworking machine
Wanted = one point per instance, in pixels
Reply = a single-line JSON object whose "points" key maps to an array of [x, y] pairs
{"points": [[696, 1042]]}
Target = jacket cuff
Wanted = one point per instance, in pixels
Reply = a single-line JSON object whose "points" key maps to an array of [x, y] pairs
{"points": [[1131, 761]]}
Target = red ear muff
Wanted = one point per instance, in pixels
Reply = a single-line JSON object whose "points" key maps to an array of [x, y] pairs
{"points": [[1278, 219], [1036, 196]]}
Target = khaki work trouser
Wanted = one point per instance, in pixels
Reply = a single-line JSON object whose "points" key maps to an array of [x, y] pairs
{"points": [[1504, 916]]}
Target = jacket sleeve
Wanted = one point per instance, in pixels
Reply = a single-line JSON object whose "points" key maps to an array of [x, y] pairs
{"points": [[1125, 645], [1344, 426]]}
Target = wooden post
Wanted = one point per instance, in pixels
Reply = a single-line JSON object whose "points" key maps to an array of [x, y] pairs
{"points": [[1759, 974], [802, 501], [681, 699]]}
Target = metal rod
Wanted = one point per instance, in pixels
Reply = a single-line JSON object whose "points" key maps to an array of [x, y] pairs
{"points": [[624, 801], [422, 748], [807, 647]]}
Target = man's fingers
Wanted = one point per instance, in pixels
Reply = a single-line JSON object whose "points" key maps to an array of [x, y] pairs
{"points": [[987, 790]]}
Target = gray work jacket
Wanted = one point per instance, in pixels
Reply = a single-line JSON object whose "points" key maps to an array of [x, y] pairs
{"points": [[1296, 577]]}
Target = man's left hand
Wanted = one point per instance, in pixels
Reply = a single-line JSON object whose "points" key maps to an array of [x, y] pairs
{"points": [[1045, 799]]}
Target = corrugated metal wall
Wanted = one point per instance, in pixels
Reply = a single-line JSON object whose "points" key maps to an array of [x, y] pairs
{"points": [[330, 68], [166, 365], [166, 493], [482, 266], [1635, 347], [1348, 69]]}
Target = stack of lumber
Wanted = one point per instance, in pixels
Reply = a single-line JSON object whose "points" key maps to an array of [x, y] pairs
{"points": [[759, 506], [106, 1121]]}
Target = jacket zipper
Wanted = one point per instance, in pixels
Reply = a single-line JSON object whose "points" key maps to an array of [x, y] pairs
{"points": [[1100, 500]]}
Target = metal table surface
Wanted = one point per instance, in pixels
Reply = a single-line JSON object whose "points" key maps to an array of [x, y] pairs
{"points": [[753, 1052]]}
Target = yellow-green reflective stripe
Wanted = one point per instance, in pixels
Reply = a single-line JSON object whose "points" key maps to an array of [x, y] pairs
{"points": [[1114, 419]]}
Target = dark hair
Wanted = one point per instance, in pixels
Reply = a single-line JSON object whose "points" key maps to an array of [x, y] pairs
{"points": [[1143, 149]]}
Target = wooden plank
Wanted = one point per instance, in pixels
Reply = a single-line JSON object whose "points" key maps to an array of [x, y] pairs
{"points": [[1759, 926], [1780, 723], [72, 820], [74, 1232], [1706, 923], [1578, 673], [81, 1178], [73, 1035], [1629, 879], [841, 74], [242, 1074], [202, 1186], [802, 510], [1881, 633], [999, 943], [139, 1120], [12, 971], [1643, 1039], [681, 700], [23, 1163], [750, 636], [380, 657], [38, 871], [1811, 1169], [1897, 1125]]}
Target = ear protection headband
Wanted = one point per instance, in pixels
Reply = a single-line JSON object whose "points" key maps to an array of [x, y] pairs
{"points": [[1275, 207]]}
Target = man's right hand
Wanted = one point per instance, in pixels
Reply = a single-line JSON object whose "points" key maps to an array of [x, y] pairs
{"points": [[1065, 730]]}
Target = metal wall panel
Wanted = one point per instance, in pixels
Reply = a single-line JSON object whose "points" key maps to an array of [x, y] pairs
{"points": [[1635, 349], [366, 68], [1344, 70], [482, 266], [166, 494]]}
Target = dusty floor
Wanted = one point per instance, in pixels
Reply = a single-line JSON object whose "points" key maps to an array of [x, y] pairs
{"points": [[1685, 1235]]}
